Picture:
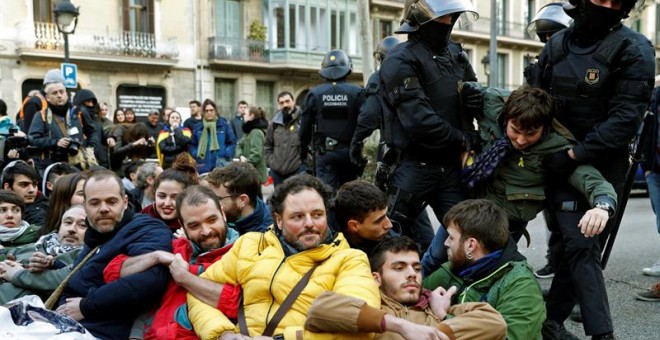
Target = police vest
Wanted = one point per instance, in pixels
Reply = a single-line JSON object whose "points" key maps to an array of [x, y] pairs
{"points": [[583, 82], [337, 108], [440, 76]]}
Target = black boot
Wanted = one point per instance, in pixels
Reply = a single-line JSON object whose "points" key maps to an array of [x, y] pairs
{"points": [[605, 336], [553, 330]]}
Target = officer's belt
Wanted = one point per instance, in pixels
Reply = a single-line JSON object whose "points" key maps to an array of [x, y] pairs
{"points": [[428, 159]]}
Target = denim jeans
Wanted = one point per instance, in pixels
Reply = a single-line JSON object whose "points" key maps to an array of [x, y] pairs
{"points": [[436, 254], [653, 182]]}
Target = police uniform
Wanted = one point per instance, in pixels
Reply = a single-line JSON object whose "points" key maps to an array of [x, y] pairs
{"points": [[424, 119], [602, 87], [333, 108]]}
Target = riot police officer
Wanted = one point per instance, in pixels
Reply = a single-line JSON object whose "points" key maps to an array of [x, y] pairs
{"points": [[329, 115], [421, 81], [370, 118], [601, 74]]}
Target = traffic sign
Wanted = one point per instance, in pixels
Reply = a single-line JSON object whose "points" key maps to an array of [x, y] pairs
{"points": [[70, 73]]}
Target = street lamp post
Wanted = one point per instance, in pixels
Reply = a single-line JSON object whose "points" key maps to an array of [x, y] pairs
{"points": [[66, 17], [485, 61]]}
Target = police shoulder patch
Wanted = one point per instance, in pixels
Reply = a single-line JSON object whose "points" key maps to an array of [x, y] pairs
{"points": [[593, 76]]}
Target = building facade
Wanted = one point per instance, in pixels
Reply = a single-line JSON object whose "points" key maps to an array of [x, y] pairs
{"points": [[148, 54]]}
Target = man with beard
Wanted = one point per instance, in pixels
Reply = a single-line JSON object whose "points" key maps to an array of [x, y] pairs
{"points": [[427, 112], [207, 239], [407, 310], [485, 265], [108, 310], [602, 73], [38, 268], [58, 131], [303, 257], [282, 145], [238, 189]]}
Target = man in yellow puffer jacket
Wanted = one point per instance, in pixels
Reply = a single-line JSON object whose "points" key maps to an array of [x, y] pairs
{"points": [[268, 265]]}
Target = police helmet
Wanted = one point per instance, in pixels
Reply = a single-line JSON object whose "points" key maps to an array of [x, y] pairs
{"points": [[626, 6], [336, 65], [419, 12], [384, 46], [549, 19]]}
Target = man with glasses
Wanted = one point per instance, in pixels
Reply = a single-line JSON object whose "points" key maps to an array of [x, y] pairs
{"points": [[282, 145], [239, 192]]}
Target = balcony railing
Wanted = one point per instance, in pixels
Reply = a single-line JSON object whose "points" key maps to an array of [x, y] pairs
{"points": [[507, 28], [121, 43], [237, 49]]}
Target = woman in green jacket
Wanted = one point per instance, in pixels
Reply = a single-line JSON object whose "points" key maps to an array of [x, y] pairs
{"points": [[251, 146]]}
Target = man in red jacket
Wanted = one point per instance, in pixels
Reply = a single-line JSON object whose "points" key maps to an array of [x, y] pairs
{"points": [[208, 239]]}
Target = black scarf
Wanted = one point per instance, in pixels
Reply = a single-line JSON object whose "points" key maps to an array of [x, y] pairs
{"points": [[594, 22], [258, 123], [93, 238], [434, 35]]}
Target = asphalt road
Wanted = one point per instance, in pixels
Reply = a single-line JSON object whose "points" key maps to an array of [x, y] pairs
{"points": [[637, 246]]}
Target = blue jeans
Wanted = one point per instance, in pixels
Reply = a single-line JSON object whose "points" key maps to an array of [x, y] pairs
{"points": [[653, 181], [436, 254]]}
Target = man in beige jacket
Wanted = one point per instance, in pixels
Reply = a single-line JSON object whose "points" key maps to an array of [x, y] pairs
{"points": [[407, 310]]}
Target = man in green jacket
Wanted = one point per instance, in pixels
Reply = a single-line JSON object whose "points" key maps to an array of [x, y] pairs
{"points": [[485, 265]]}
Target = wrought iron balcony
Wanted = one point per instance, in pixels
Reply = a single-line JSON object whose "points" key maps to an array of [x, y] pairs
{"points": [[505, 28], [119, 43], [221, 48]]}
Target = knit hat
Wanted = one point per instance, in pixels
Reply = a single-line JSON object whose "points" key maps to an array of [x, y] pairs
{"points": [[53, 76]]}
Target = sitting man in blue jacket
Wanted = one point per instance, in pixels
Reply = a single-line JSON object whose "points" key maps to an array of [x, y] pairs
{"points": [[108, 310], [238, 189]]}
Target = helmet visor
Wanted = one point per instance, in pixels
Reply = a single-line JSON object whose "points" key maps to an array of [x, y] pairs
{"points": [[552, 12], [427, 10]]}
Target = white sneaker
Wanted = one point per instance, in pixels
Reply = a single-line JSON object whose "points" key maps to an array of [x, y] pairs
{"points": [[652, 271]]}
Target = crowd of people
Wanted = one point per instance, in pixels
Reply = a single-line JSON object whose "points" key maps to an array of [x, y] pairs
{"points": [[159, 229]]}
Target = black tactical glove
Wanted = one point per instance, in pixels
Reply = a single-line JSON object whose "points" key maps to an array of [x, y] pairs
{"points": [[473, 100], [560, 164], [472, 141], [355, 153]]}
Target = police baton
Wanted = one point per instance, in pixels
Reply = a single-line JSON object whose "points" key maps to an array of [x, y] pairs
{"points": [[637, 153]]}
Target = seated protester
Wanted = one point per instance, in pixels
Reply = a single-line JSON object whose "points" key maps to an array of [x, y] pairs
{"points": [[361, 215], [512, 172], [130, 175], [167, 186], [108, 310], [407, 310], [23, 179], [144, 193], [68, 191], [484, 263], [14, 231], [173, 140], [207, 239], [52, 173], [299, 245], [238, 188], [38, 268]]}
